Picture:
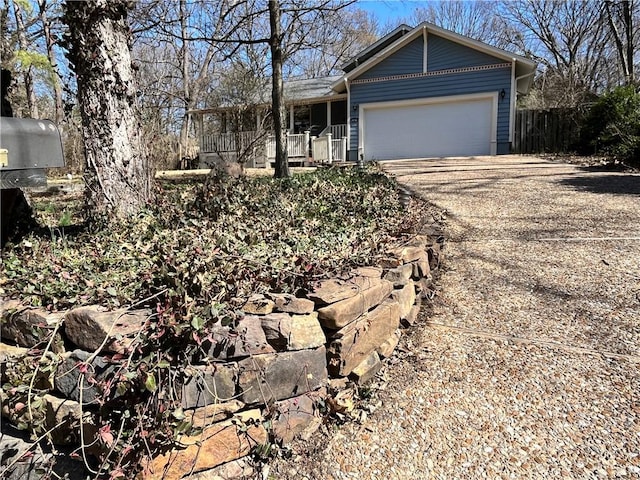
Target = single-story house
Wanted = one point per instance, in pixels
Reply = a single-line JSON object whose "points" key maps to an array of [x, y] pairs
{"points": [[416, 92]]}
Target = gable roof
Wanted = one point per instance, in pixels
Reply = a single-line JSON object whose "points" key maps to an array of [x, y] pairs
{"points": [[525, 68], [374, 48]]}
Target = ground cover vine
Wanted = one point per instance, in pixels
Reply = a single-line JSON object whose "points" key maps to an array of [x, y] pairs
{"points": [[191, 259]]}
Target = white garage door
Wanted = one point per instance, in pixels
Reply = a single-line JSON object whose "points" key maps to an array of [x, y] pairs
{"points": [[445, 129]]}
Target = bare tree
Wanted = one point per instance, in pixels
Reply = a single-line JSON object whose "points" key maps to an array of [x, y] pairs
{"points": [[117, 174], [478, 20], [567, 38], [336, 39], [50, 43], [27, 69], [290, 24], [185, 63], [178, 59], [619, 16], [284, 26]]}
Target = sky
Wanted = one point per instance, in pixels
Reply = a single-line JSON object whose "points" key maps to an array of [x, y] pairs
{"points": [[389, 9]]}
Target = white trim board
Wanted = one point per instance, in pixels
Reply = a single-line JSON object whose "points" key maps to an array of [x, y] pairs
{"points": [[512, 101], [424, 50]]}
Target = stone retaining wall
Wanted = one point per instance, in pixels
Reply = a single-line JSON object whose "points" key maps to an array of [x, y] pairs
{"points": [[275, 366]]}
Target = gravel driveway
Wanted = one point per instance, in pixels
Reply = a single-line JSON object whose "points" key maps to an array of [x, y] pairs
{"points": [[530, 365]]}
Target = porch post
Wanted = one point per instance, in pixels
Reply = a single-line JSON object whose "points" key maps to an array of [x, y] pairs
{"points": [[200, 132], [291, 119], [329, 113], [346, 83], [306, 145], [329, 149]]}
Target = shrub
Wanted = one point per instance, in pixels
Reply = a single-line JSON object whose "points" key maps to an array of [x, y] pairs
{"points": [[612, 127]]}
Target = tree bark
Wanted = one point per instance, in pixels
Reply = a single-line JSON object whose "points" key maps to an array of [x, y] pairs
{"points": [[275, 43], [55, 76], [623, 41], [628, 21], [5, 44], [118, 175], [30, 92]]}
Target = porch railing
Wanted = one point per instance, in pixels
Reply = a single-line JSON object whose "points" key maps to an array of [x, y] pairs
{"points": [[297, 146], [323, 149], [326, 149], [227, 142], [336, 131], [339, 149]]}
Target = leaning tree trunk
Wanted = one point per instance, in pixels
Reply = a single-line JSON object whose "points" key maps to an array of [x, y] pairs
{"points": [[275, 42], [118, 174]]}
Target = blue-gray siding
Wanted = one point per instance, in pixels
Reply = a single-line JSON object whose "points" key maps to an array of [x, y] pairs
{"points": [[407, 60], [493, 80], [443, 54]]}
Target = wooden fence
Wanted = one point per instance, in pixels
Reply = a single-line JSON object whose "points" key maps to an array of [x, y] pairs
{"points": [[546, 131]]}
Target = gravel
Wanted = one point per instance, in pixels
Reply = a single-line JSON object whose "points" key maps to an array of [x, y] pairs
{"points": [[528, 365]]}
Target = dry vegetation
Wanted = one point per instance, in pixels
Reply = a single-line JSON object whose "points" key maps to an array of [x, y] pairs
{"points": [[191, 258], [207, 241]]}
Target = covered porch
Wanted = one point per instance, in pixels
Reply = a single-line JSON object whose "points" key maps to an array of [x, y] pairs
{"points": [[316, 128]]}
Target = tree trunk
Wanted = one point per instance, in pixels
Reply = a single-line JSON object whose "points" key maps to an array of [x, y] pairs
{"points": [[117, 175], [624, 40], [185, 61], [628, 21], [6, 51], [30, 92], [55, 76], [275, 42]]}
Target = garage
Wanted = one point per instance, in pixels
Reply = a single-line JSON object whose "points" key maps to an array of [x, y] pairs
{"points": [[442, 127]]}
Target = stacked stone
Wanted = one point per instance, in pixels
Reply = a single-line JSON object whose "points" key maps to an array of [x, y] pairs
{"points": [[273, 364], [362, 314]]}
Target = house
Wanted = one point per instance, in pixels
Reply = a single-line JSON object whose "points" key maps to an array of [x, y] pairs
{"points": [[416, 92]]}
